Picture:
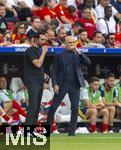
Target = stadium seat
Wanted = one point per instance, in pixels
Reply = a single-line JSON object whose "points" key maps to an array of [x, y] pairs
{"points": [[15, 84]]}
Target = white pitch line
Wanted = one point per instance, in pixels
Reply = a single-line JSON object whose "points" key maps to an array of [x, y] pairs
{"points": [[84, 143], [103, 137]]}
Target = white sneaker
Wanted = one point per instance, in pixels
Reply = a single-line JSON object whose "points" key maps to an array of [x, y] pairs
{"points": [[56, 132], [111, 131]]}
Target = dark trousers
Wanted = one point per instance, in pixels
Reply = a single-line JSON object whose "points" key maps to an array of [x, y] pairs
{"points": [[73, 90], [35, 94]]}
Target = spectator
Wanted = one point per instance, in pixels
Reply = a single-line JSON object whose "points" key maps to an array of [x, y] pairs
{"points": [[52, 41], [75, 28], [61, 35], [3, 23], [117, 5], [98, 37], [62, 12], [118, 34], [37, 7], [53, 25], [6, 39], [10, 12], [73, 13], [19, 34], [111, 42], [89, 3], [100, 9], [97, 41], [47, 11], [107, 24], [92, 105], [83, 38], [88, 22], [22, 8], [36, 24]]}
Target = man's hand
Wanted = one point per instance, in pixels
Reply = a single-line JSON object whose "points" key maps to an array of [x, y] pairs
{"points": [[45, 49], [56, 89]]}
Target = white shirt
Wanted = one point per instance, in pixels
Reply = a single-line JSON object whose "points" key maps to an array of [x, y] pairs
{"points": [[102, 27], [11, 3], [4, 96], [71, 2], [100, 11]]}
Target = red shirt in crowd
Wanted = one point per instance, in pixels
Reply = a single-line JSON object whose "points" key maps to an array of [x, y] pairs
{"points": [[47, 12], [61, 10], [118, 37], [90, 26], [16, 39]]}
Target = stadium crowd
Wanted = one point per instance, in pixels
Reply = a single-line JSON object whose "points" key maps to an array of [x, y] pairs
{"points": [[93, 23]]}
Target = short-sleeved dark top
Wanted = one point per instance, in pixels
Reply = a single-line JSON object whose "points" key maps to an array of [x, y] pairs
{"points": [[32, 74]]}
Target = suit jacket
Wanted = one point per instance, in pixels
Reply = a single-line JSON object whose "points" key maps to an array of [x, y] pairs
{"points": [[58, 68]]}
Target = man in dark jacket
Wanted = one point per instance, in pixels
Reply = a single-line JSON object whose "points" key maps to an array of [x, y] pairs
{"points": [[67, 77]]}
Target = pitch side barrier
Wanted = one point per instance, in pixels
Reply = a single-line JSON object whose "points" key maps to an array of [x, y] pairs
{"points": [[105, 51]]}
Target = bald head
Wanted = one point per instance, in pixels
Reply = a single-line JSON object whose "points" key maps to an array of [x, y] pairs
{"points": [[70, 42]]}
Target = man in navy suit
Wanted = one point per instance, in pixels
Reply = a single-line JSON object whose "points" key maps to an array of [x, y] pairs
{"points": [[67, 77]]}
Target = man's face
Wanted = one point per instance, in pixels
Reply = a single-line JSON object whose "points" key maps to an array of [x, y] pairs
{"points": [[87, 14], [63, 2], [108, 12], [69, 43], [2, 11], [76, 29], [111, 39], [95, 86], [42, 40], [3, 83], [98, 38], [62, 34], [89, 3], [36, 24], [22, 29], [51, 35], [105, 3], [83, 36], [110, 82]]}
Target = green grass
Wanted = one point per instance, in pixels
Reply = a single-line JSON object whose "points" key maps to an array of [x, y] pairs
{"points": [[78, 142], [86, 142]]}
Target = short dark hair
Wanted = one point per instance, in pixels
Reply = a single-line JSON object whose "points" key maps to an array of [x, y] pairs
{"points": [[71, 9], [94, 79], [110, 35], [37, 35], [2, 5], [34, 17], [110, 75], [86, 7], [96, 32], [38, 2], [54, 22], [82, 30]]}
